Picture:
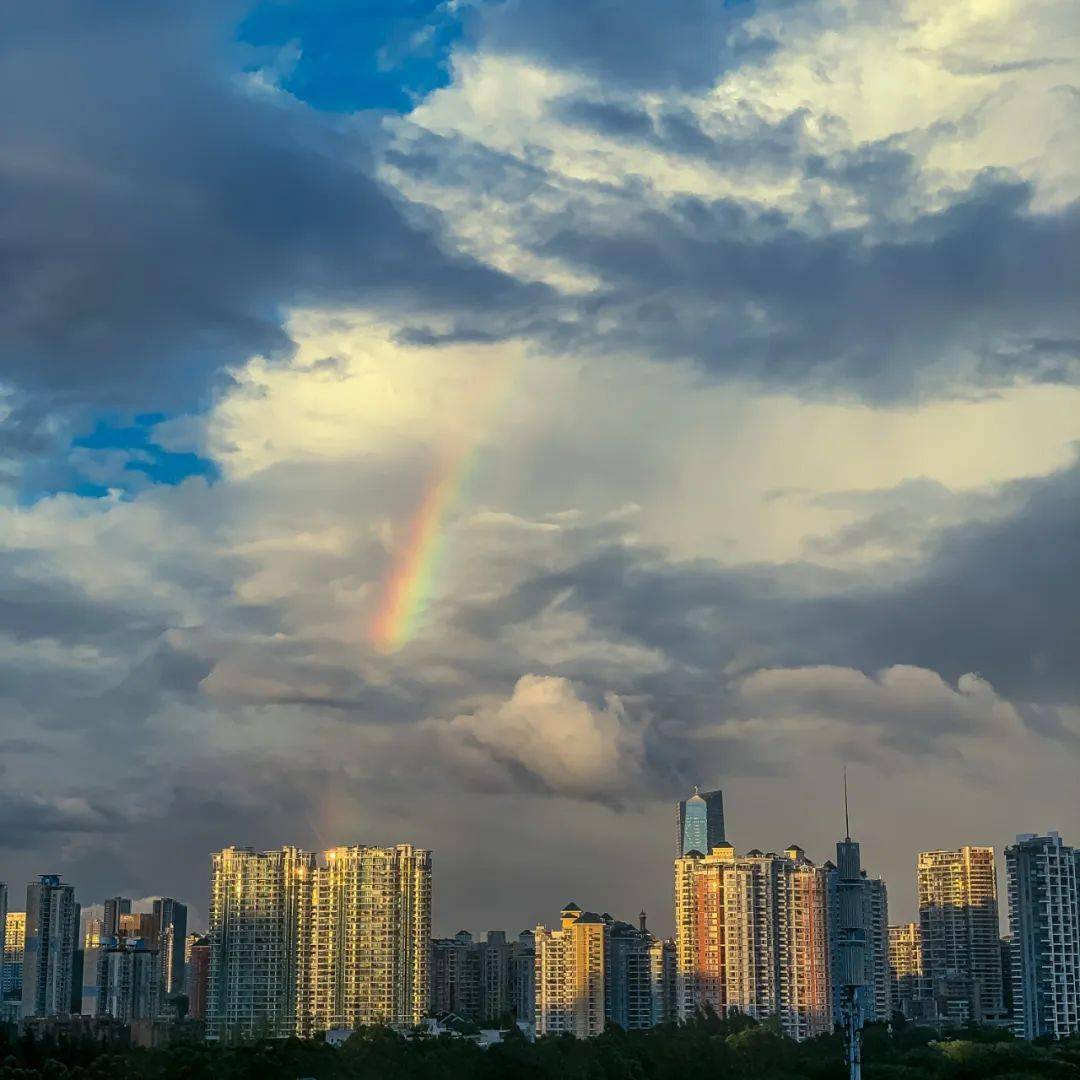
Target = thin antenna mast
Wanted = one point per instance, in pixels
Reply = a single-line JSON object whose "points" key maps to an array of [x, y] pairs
{"points": [[847, 820]]}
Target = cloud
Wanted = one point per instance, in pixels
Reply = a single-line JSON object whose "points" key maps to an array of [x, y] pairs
{"points": [[760, 368], [787, 226], [912, 708], [689, 46], [544, 732], [161, 214], [24, 820]]}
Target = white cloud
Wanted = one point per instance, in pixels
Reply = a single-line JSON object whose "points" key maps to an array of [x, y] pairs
{"points": [[546, 731]]}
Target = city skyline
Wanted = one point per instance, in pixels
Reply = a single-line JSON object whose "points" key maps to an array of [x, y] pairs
{"points": [[660, 915], [476, 423], [304, 943]]}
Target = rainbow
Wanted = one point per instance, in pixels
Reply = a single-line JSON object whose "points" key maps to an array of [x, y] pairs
{"points": [[414, 567]]}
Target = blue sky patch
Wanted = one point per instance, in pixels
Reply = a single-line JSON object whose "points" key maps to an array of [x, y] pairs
{"points": [[358, 54], [126, 457]]}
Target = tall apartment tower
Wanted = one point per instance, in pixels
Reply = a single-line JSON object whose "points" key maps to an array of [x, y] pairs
{"points": [[365, 953], [877, 998], [115, 906], [128, 982], [170, 920], [475, 980], [879, 1002], [632, 987], [752, 937], [662, 976], [958, 925], [1044, 920], [699, 823], [570, 975], [198, 977], [455, 976], [14, 940], [50, 943], [3, 944], [906, 970], [258, 915], [524, 976]]}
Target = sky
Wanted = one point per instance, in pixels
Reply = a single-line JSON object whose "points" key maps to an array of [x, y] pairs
{"points": [[474, 423]]}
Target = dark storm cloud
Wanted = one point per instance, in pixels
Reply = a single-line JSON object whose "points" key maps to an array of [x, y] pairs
{"points": [[741, 139], [26, 820], [684, 43], [998, 599], [157, 218], [926, 308]]}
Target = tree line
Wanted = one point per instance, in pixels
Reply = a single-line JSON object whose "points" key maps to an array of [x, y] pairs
{"points": [[707, 1048]]}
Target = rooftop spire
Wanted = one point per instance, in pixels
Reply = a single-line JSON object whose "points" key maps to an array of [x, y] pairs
{"points": [[847, 819]]}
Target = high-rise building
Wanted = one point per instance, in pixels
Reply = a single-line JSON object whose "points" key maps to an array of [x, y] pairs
{"points": [[630, 989], [596, 970], [481, 981], [14, 938], [49, 947], [128, 981], [524, 976], [876, 999], [496, 976], [170, 917], [259, 905], [115, 906], [1044, 920], [570, 975], [879, 1004], [909, 992], [752, 937], [699, 823], [298, 947], [198, 976], [455, 976], [138, 926], [93, 932], [1007, 973], [3, 923], [662, 966], [958, 925], [365, 958]]}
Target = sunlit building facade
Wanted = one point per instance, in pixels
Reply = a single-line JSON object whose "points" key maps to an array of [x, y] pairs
{"points": [[14, 937], [258, 915], [752, 936], [959, 934], [365, 953], [298, 946], [906, 970], [1044, 920], [570, 975]]}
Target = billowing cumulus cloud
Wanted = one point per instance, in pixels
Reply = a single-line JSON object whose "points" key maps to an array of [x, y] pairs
{"points": [[672, 397], [546, 732]]}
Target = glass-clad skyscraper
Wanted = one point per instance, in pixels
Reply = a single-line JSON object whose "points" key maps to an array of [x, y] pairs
{"points": [[700, 823]]}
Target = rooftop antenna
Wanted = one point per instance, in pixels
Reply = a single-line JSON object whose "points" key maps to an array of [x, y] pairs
{"points": [[847, 819]]}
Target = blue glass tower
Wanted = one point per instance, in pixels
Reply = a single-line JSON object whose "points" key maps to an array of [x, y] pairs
{"points": [[700, 822]]}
